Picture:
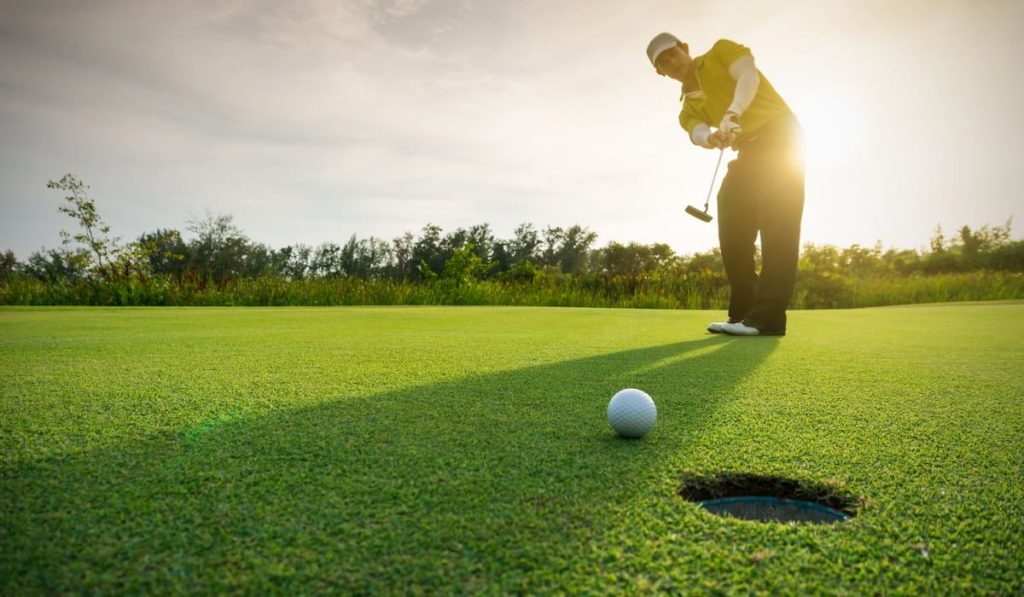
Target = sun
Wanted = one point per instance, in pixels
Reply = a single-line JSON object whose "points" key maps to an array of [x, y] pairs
{"points": [[833, 124]]}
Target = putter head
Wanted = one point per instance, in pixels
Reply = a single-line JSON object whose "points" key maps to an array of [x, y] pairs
{"points": [[703, 216]]}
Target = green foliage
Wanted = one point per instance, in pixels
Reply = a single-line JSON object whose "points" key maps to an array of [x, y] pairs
{"points": [[568, 248], [59, 266], [633, 259], [523, 272], [524, 285], [558, 266], [1008, 257], [8, 265], [425, 272], [94, 234], [220, 248], [525, 245], [983, 248], [166, 252], [465, 266], [428, 253], [360, 258]]}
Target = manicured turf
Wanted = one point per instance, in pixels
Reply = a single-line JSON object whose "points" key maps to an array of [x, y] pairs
{"points": [[466, 449]]}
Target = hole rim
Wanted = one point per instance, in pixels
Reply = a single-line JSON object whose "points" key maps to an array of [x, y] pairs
{"points": [[831, 494]]}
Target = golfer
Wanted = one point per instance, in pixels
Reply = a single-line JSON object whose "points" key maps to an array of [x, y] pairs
{"points": [[763, 190]]}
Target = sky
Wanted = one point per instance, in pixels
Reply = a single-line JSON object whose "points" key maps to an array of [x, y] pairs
{"points": [[313, 120]]}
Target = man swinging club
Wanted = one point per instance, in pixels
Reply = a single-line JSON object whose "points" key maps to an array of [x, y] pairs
{"points": [[763, 190]]}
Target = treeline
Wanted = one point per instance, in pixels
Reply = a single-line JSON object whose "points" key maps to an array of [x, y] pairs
{"points": [[219, 264]]}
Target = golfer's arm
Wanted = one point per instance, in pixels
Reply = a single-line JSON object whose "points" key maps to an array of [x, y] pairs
{"points": [[699, 135], [747, 80]]}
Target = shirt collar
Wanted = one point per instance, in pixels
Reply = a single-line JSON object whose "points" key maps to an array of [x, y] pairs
{"points": [[698, 63]]}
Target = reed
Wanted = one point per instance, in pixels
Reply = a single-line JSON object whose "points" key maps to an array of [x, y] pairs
{"points": [[691, 291]]}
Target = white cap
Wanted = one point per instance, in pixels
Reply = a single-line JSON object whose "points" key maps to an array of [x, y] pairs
{"points": [[660, 43]]}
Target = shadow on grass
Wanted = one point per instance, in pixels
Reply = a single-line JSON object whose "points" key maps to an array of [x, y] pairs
{"points": [[495, 481]]}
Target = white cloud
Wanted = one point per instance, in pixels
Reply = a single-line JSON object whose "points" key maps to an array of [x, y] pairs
{"points": [[317, 119]]}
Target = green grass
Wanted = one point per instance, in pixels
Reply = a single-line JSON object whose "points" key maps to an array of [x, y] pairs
{"points": [[432, 449], [708, 290]]}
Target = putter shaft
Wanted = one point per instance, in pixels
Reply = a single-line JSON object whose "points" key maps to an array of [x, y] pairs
{"points": [[707, 200]]}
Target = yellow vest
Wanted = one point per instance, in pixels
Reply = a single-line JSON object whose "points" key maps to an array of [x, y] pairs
{"points": [[718, 87]]}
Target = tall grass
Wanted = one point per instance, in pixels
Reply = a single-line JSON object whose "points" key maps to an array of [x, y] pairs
{"points": [[818, 292], [698, 291]]}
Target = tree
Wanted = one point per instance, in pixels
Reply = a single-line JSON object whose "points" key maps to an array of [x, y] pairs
{"points": [[259, 261], [427, 252], [166, 252], [501, 257], [58, 266], [576, 243], [938, 241], [901, 261], [95, 232], [703, 263], [482, 240], [633, 259], [824, 258], [326, 262], [551, 246], [464, 266], [375, 256], [220, 248], [9, 265], [969, 250], [402, 250], [976, 246], [366, 258], [525, 245], [295, 262], [1008, 257], [858, 261]]}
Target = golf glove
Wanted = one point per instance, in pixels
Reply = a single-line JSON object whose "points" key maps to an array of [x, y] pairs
{"points": [[730, 124]]}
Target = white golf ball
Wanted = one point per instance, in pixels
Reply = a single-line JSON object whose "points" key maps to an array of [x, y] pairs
{"points": [[632, 413]]}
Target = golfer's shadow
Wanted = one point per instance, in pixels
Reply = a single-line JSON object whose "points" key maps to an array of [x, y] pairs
{"points": [[520, 463]]}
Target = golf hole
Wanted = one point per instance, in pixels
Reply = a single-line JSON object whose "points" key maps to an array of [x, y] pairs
{"points": [[767, 498]]}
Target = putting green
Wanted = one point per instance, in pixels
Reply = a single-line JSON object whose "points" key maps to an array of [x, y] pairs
{"points": [[466, 449]]}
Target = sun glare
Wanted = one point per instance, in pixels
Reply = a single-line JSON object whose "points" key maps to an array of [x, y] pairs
{"points": [[832, 123], [834, 140]]}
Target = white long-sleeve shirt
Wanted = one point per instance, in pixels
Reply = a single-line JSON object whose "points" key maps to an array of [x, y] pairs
{"points": [[744, 72]]}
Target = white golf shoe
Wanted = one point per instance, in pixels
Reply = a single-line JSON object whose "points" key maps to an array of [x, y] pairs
{"points": [[718, 327], [740, 329]]}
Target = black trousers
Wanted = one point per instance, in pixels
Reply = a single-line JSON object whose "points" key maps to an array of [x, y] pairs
{"points": [[763, 191]]}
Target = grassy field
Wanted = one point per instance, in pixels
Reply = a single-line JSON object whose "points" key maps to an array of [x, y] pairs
{"points": [[466, 449]]}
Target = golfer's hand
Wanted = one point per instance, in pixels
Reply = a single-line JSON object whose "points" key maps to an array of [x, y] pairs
{"points": [[730, 124], [729, 128], [720, 140]]}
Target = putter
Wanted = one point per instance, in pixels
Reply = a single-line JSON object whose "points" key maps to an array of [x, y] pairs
{"points": [[704, 216]]}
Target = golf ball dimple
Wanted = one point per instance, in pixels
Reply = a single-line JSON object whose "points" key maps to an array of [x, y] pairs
{"points": [[632, 413]]}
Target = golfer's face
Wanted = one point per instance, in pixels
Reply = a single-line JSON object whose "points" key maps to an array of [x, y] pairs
{"points": [[674, 62]]}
